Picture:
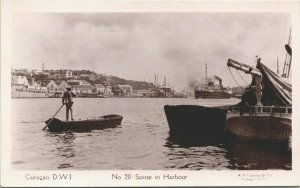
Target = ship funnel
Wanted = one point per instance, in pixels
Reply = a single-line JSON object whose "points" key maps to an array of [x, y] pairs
{"points": [[219, 79]]}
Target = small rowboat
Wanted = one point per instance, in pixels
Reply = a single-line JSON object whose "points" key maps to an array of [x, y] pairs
{"points": [[107, 121]]}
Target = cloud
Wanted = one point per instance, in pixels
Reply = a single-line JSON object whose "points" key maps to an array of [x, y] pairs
{"points": [[141, 45]]}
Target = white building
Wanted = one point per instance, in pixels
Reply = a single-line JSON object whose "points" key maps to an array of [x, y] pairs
{"points": [[62, 86], [19, 80], [52, 86], [78, 82], [99, 89], [19, 83], [108, 90], [69, 74], [82, 89], [127, 89]]}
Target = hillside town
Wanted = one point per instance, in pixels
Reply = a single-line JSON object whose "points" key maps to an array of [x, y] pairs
{"points": [[84, 83]]}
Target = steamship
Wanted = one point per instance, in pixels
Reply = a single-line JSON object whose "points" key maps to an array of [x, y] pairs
{"points": [[212, 88]]}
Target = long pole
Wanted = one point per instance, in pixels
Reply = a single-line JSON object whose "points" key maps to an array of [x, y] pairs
{"points": [[52, 118]]}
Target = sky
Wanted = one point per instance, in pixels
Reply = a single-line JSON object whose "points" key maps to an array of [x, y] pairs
{"points": [[138, 46]]}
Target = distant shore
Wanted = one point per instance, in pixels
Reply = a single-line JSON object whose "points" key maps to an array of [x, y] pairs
{"points": [[26, 94]]}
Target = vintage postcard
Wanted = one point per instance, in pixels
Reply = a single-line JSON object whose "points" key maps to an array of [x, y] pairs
{"points": [[140, 93]]}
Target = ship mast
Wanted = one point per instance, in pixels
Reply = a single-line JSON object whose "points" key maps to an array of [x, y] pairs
{"points": [[277, 67], [43, 68], [165, 84], [205, 74], [288, 59]]}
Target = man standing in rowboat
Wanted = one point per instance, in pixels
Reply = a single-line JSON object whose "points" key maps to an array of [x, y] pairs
{"points": [[67, 99]]}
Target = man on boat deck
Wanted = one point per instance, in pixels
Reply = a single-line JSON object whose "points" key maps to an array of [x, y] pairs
{"points": [[67, 99]]}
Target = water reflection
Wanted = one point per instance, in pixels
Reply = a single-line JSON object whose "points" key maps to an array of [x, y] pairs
{"points": [[250, 155], [194, 153], [65, 148], [185, 140], [230, 153]]}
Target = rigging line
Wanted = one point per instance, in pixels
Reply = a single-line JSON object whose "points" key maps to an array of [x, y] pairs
{"points": [[242, 77], [234, 79]]}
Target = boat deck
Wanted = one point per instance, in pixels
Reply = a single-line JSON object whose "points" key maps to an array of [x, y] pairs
{"points": [[281, 112]]}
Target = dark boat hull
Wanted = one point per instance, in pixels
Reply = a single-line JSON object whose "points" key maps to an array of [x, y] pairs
{"points": [[103, 122], [260, 127], [195, 120], [212, 95]]}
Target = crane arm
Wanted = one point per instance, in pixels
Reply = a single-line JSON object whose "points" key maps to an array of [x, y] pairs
{"points": [[243, 67], [250, 70]]}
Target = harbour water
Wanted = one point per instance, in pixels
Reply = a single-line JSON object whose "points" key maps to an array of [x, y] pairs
{"points": [[142, 142]]}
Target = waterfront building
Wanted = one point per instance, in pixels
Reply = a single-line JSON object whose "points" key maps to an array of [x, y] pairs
{"points": [[127, 89], [117, 91], [62, 86], [85, 83], [19, 83], [37, 89], [20, 80], [73, 82], [82, 89], [51, 86], [108, 90], [78, 82], [69, 74], [99, 89]]}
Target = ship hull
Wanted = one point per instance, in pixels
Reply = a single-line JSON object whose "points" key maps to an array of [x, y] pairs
{"points": [[260, 126], [212, 95], [107, 121], [202, 122]]}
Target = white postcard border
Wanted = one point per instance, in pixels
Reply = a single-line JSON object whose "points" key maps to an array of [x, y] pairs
{"points": [[10, 177]]}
